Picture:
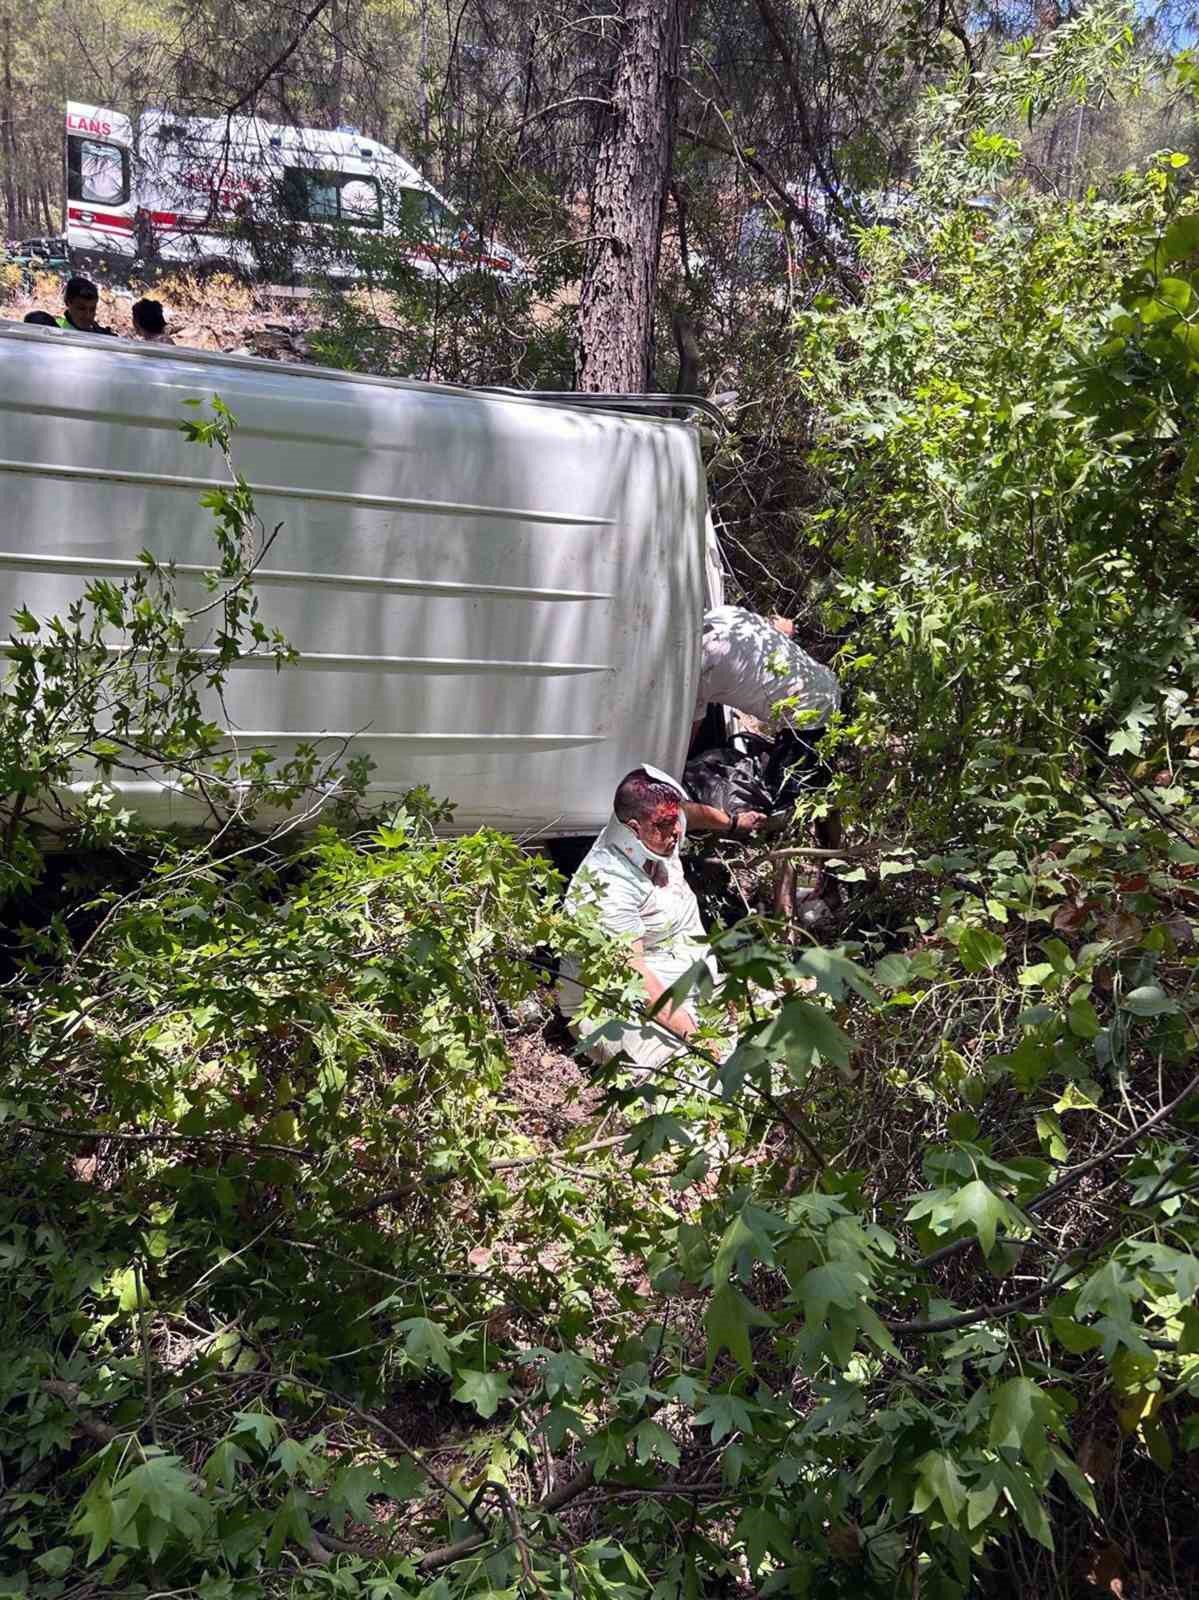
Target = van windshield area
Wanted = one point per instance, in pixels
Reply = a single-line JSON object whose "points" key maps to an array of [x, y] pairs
{"points": [[422, 216], [346, 197]]}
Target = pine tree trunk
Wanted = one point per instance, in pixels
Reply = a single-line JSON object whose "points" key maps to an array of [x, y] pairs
{"points": [[337, 76], [616, 307], [8, 142]]}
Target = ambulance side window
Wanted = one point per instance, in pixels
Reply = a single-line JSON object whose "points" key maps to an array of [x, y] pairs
{"points": [[442, 221], [322, 197], [331, 197], [309, 196], [360, 202], [97, 172]]}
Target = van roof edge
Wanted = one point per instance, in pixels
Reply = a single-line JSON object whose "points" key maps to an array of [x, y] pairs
{"points": [[687, 403], [683, 406]]}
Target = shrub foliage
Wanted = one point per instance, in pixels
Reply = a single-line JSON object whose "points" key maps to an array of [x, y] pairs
{"points": [[306, 1294]]}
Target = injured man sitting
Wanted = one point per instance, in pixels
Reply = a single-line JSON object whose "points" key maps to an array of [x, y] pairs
{"points": [[633, 877]]}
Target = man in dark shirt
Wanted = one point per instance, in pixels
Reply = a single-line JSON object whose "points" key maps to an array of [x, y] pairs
{"points": [[82, 297]]}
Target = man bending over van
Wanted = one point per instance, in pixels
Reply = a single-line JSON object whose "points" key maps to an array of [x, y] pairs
{"points": [[632, 875], [751, 664]]}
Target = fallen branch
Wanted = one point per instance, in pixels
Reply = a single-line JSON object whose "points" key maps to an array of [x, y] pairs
{"points": [[250, 1145], [72, 1395], [850, 852], [389, 1433], [280, 61], [445, 1555], [509, 1164], [1055, 1278]]}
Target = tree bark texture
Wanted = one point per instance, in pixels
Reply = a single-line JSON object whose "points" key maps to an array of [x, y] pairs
{"points": [[620, 274], [8, 118]]}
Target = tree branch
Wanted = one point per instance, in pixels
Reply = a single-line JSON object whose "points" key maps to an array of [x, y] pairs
{"points": [[1047, 1196], [71, 1395], [787, 205], [249, 1145], [445, 1555], [389, 1433], [510, 1164], [799, 96], [280, 60]]}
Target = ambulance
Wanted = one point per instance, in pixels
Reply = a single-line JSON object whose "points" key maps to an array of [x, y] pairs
{"points": [[257, 199]]}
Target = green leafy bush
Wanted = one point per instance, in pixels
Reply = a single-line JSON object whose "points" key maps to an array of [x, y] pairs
{"points": [[327, 1273], [1003, 433]]}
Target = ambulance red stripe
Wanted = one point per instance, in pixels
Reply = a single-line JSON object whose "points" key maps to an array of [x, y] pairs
{"points": [[99, 219]]}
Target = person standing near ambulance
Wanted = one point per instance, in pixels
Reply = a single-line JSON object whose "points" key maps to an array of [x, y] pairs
{"points": [[752, 663], [81, 299], [149, 322]]}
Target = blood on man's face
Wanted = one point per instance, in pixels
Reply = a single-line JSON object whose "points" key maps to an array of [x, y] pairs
{"points": [[662, 829]]}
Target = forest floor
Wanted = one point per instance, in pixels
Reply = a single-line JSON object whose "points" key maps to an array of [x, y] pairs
{"points": [[219, 314]]}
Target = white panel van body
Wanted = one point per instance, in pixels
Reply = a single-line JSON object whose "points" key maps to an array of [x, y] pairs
{"points": [[494, 594]]}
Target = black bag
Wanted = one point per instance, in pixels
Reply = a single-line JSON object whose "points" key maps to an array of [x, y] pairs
{"points": [[733, 776], [751, 773]]}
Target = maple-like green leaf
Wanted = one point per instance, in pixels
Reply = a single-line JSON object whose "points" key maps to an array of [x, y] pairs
{"points": [[980, 1503], [1027, 1502], [1180, 1266], [1111, 1290], [729, 1319], [743, 1242], [483, 1390], [1078, 1483], [129, 1286], [1020, 1414], [975, 1206], [654, 1441], [94, 1518], [836, 1283], [727, 1413], [835, 973], [937, 1481], [1157, 1441], [262, 1427], [802, 1029], [567, 1373], [1073, 1336], [425, 1343], [763, 1534]]}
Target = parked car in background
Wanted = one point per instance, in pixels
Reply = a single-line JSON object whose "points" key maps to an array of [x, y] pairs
{"points": [[25, 257]]}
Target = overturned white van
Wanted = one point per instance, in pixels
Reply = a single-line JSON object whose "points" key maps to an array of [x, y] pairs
{"points": [[493, 594]]}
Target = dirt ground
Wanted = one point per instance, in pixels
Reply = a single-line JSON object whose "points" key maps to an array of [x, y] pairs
{"points": [[219, 314]]}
